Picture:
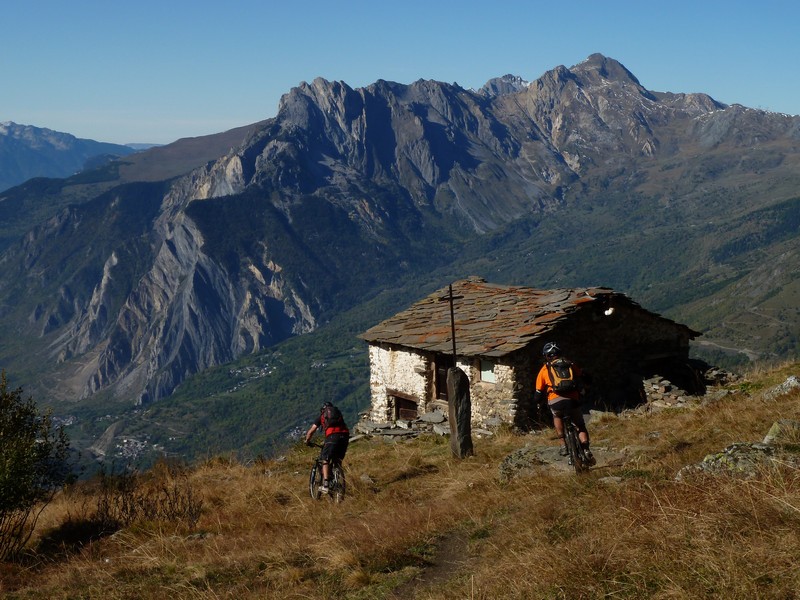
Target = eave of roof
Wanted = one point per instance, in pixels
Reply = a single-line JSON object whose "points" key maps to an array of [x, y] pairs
{"points": [[490, 320]]}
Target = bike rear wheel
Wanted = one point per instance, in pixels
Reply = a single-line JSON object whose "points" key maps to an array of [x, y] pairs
{"points": [[576, 456], [315, 481], [338, 483]]}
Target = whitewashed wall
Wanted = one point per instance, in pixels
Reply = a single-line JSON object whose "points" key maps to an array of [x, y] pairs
{"points": [[398, 370]]}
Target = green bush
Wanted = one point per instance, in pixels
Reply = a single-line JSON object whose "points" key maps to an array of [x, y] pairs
{"points": [[33, 467]]}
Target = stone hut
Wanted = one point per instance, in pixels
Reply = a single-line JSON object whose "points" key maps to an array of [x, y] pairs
{"points": [[499, 333]]}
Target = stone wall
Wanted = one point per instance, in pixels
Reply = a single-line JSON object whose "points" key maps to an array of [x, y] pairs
{"points": [[620, 350], [492, 401], [411, 375], [400, 371]]}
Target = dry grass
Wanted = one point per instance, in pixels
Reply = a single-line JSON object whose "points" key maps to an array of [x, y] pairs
{"points": [[418, 523]]}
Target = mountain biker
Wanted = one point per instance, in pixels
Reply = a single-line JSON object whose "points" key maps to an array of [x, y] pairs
{"points": [[561, 403], [337, 437]]}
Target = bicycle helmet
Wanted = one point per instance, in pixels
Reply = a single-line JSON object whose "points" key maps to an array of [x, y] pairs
{"points": [[324, 406], [551, 350]]}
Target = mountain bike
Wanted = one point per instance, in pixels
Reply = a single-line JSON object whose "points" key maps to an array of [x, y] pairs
{"points": [[577, 455], [336, 484]]}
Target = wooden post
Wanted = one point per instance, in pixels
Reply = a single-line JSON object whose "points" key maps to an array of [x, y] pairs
{"points": [[459, 406], [459, 413], [450, 299], [452, 322]]}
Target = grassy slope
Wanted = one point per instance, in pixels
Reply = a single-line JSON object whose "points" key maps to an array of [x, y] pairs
{"points": [[418, 523]]}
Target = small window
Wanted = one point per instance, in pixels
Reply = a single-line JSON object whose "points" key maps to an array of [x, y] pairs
{"points": [[487, 372], [405, 409]]}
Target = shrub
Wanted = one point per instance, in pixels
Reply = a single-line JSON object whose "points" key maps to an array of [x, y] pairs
{"points": [[164, 495], [114, 500], [33, 467]]}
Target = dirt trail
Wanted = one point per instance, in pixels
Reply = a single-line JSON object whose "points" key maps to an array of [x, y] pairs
{"points": [[451, 556]]}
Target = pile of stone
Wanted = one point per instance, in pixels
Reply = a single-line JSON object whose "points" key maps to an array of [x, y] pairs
{"points": [[716, 377], [662, 393], [430, 423]]}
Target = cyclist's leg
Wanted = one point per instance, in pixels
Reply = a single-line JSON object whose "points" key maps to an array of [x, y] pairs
{"points": [[583, 435], [336, 444], [339, 443], [580, 423], [325, 459], [557, 408], [558, 422]]}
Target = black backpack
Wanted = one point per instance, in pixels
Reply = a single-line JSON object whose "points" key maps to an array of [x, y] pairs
{"points": [[562, 375], [332, 417]]}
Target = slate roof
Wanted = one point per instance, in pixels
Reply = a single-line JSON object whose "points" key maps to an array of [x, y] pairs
{"points": [[490, 320]]}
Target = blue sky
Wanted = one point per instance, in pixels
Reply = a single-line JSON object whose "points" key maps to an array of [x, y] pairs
{"points": [[147, 71]]}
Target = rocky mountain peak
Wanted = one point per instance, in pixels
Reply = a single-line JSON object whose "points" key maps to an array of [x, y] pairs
{"points": [[507, 84], [598, 66]]}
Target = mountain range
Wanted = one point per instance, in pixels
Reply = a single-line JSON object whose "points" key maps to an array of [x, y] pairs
{"points": [[27, 152], [121, 283]]}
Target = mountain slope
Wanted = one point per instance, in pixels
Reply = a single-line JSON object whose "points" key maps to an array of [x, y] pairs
{"points": [[27, 152], [32, 202], [582, 177]]}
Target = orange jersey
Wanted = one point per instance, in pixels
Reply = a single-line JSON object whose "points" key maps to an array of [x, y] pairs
{"points": [[545, 385]]}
